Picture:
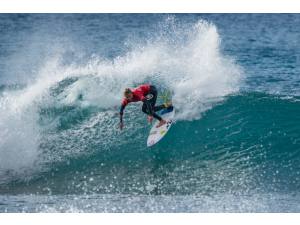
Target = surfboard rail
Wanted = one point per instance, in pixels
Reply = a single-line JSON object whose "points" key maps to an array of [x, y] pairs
{"points": [[157, 133]]}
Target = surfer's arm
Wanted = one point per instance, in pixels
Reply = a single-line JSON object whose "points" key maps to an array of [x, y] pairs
{"points": [[122, 107], [121, 112], [121, 125]]}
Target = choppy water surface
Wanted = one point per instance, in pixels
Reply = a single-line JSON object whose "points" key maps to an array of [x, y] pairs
{"points": [[234, 78]]}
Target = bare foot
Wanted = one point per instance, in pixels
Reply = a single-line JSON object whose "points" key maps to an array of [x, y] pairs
{"points": [[161, 123]]}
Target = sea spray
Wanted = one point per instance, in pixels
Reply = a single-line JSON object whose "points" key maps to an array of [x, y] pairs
{"points": [[185, 60], [61, 149]]}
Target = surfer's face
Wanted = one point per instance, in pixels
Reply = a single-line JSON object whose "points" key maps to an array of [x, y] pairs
{"points": [[129, 96]]}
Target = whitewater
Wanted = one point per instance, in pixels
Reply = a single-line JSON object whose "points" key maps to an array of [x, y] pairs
{"points": [[235, 144]]}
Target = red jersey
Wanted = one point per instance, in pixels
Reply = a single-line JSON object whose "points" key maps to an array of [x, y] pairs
{"points": [[139, 94]]}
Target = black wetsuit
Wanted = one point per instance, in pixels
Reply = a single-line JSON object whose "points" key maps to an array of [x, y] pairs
{"points": [[149, 104]]}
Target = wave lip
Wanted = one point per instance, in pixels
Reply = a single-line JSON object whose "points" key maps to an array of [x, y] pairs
{"points": [[186, 60]]}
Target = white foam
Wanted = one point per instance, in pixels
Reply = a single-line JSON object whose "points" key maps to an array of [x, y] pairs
{"points": [[186, 60], [192, 67], [19, 134]]}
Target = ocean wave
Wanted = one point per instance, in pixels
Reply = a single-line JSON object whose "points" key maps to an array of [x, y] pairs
{"points": [[244, 144], [59, 133]]}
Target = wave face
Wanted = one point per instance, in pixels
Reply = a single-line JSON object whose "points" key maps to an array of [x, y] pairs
{"points": [[244, 145], [59, 124]]}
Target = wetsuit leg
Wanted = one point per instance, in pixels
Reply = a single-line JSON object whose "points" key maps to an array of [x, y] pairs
{"points": [[156, 116], [151, 100], [152, 96], [146, 110], [158, 108]]}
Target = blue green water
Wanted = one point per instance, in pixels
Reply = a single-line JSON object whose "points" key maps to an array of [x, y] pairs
{"points": [[234, 79]]}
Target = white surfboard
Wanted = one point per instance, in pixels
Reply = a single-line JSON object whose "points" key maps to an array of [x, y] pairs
{"points": [[156, 134]]}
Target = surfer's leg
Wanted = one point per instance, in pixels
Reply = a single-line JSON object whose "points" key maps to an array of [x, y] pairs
{"points": [[153, 92], [157, 117], [150, 101], [159, 107], [145, 110], [152, 96]]}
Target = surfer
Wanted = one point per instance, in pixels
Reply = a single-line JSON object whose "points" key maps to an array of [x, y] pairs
{"points": [[147, 94]]}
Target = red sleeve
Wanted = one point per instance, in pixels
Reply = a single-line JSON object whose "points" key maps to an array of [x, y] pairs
{"points": [[124, 102]]}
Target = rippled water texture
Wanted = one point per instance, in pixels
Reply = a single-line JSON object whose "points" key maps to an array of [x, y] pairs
{"points": [[234, 80]]}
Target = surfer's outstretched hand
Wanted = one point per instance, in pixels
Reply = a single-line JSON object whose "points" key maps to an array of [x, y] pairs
{"points": [[121, 125]]}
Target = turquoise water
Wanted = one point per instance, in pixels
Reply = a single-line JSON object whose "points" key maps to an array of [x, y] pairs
{"points": [[234, 79]]}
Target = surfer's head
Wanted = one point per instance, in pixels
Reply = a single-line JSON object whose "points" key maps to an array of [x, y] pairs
{"points": [[128, 94]]}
